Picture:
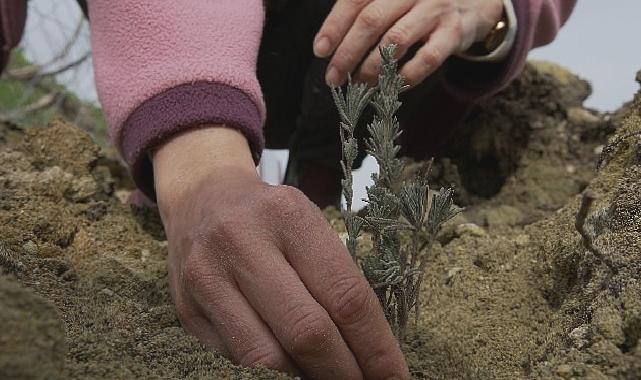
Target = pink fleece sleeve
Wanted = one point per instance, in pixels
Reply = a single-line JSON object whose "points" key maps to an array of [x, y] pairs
{"points": [[164, 66], [538, 24]]}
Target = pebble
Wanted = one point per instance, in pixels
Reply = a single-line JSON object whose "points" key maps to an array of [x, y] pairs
{"points": [[581, 116], [83, 188], [522, 240], [30, 247], [122, 195], [452, 272], [144, 255], [598, 150], [565, 371], [108, 292], [506, 267], [503, 216], [579, 336], [470, 229]]}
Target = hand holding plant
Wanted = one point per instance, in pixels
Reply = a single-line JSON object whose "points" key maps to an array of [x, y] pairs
{"points": [[256, 272]]}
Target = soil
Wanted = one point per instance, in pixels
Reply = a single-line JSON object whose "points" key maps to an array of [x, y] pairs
{"points": [[511, 292]]}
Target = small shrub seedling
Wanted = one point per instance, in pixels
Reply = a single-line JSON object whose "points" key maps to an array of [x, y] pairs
{"points": [[394, 207]]}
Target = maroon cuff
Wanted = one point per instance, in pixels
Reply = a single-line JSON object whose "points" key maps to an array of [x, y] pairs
{"points": [[469, 81], [179, 108]]}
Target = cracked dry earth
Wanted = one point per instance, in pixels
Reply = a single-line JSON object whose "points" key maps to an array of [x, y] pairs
{"points": [[511, 291]]}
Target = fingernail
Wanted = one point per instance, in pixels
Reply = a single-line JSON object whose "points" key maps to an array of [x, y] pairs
{"points": [[321, 47], [332, 78]]}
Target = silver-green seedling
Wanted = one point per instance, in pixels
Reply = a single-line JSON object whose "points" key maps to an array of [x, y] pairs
{"points": [[394, 207]]}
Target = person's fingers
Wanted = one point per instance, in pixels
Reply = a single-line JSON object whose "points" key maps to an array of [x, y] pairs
{"points": [[336, 25], [366, 31], [328, 271], [408, 30], [468, 27], [199, 325], [443, 42], [245, 338], [303, 327], [193, 320]]}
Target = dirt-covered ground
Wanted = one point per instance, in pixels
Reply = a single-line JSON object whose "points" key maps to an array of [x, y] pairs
{"points": [[512, 291]]}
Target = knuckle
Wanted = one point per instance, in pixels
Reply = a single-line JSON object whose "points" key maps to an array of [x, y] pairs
{"points": [[225, 229], [225, 223], [353, 300], [398, 36], [284, 199], [371, 17], [199, 274], [283, 195], [432, 58], [309, 331], [259, 355], [414, 76], [369, 71], [410, 79], [332, 30], [457, 29], [369, 75], [343, 60], [446, 8], [358, 3]]}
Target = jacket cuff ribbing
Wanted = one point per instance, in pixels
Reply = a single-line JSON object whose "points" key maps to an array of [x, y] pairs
{"points": [[178, 109]]}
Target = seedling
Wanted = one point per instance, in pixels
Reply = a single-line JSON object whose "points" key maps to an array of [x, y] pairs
{"points": [[394, 207]]}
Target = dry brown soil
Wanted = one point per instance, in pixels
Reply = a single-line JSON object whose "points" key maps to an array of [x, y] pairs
{"points": [[512, 293]]}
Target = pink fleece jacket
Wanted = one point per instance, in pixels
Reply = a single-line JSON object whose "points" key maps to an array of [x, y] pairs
{"points": [[164, 66]]}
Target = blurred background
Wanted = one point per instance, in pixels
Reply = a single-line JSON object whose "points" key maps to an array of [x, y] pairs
{"points": [[51, 74]]}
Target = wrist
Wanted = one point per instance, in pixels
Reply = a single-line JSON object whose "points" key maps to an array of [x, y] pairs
{"points": [[189, 158], [495, 43], [492, 14]]}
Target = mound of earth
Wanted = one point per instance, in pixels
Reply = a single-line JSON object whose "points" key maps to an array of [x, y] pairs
{"points": [[512, 290]]}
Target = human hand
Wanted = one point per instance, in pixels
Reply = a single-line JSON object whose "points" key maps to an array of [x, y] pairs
{"points": [[256, 272], [444, 27]]}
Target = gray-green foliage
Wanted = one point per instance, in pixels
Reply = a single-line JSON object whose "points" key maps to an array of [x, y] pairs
{"points": [[394, 270], [350, 107]]}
